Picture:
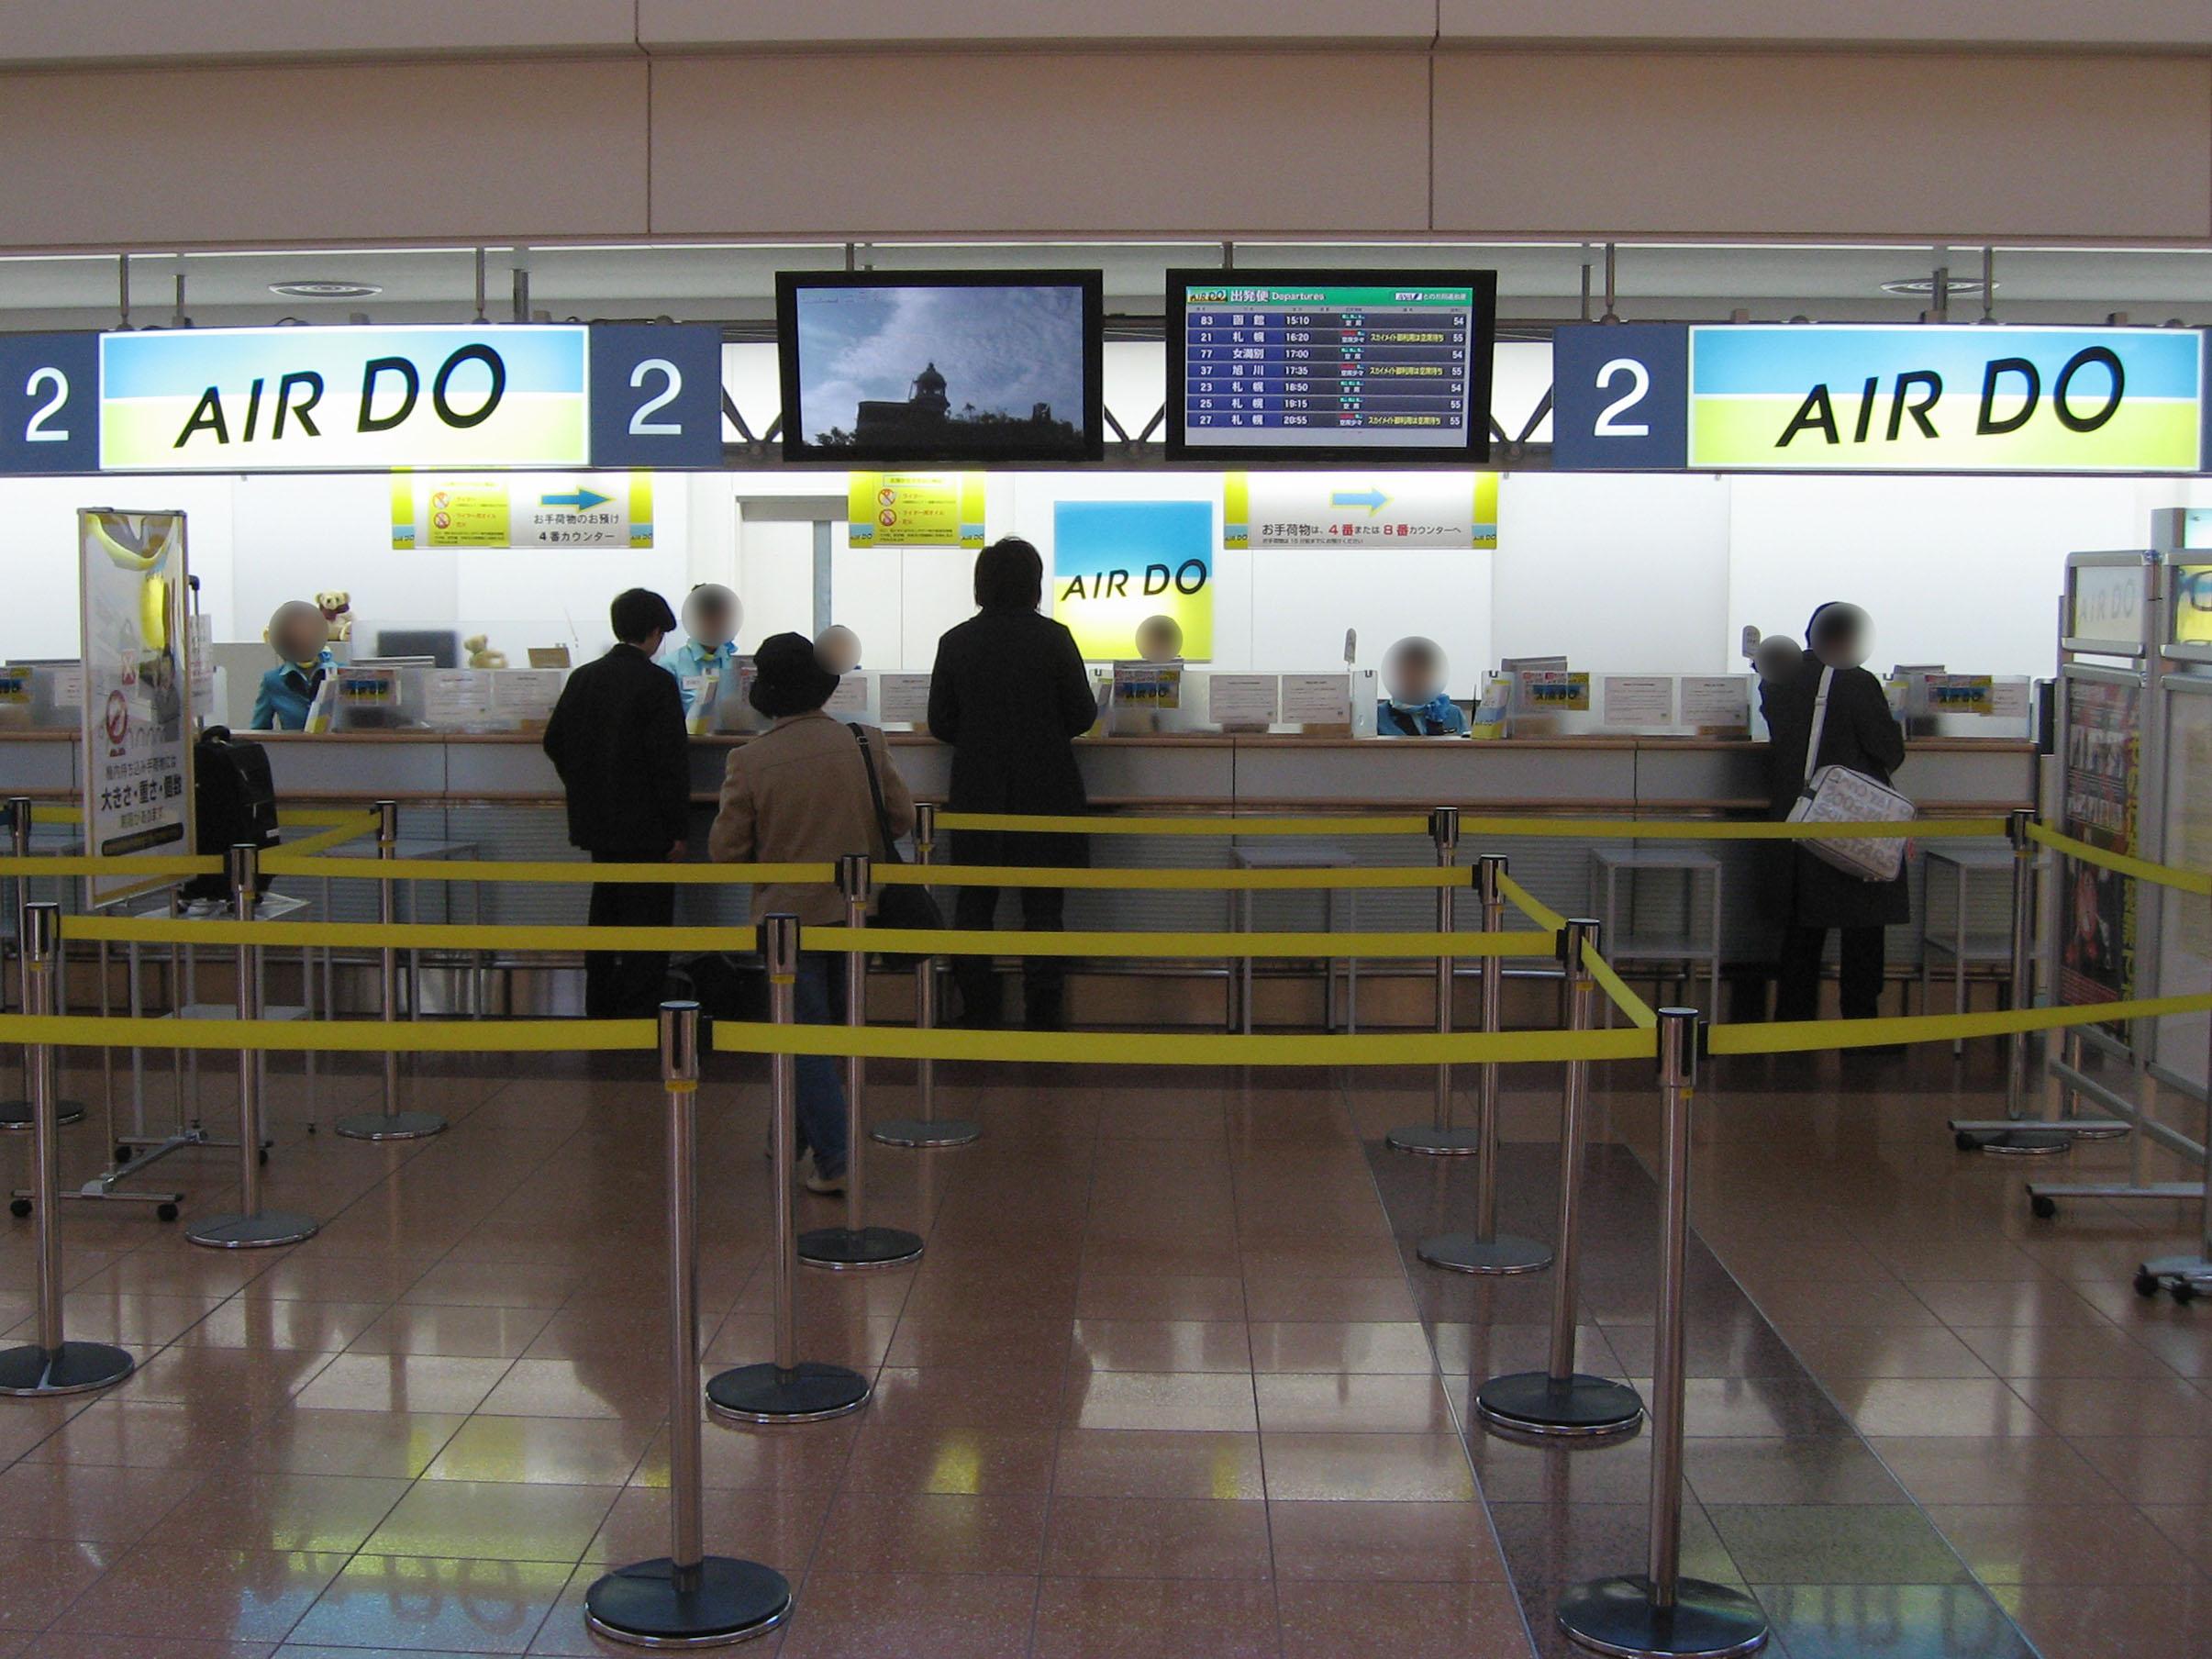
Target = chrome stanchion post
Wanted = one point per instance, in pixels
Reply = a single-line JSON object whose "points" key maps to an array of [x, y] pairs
{"points": [[249, 1228], [17, 1114], [1561, 1401], [2187, 1276], [929, 1129], [857, 1245], [1660, 1614], [2026, 1141], [391, 1123], [1484, 1251], [1440, 1138], [53, 1364], [687, 1597], [784, 1389]]}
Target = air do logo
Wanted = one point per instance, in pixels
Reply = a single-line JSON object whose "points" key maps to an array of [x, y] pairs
{"points": [[255, 398], [1949, 399]]}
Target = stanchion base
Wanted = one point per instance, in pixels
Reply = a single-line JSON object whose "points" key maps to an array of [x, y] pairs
{"points": [[390, 1126], [2187, 1277], [845, 1249], [73, 1368], [761, 1394], [1615, 1616], [2027, 1143], [1463, 1252], [17, 1114], [1530, 1402], [1433, 1142], [926, 1133], [728, 1600], [265, 1232]]}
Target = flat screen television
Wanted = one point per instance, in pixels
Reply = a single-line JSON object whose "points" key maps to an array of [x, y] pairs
{"points": [[1330, 365], [970, 366]]}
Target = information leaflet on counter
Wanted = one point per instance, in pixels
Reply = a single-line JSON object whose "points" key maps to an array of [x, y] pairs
{"points": [[1717, 700], [904, 699], [1638, 699], [1242, 702], [1322, 699]]}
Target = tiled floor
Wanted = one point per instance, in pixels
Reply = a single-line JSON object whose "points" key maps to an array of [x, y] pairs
{"points": [[1165, 1383]]}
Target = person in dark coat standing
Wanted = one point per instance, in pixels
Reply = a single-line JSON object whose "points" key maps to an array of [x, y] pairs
{"points": [[616, 738], [1809, 896], [1010, 694]]}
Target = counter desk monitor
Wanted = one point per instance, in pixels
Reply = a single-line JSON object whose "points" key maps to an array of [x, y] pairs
{"points": [[1330, 365], [967, 367]]}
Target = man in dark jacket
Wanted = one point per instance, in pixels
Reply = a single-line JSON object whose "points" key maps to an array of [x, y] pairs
{"points": [[616, 738], [1010, 692], [1810, 896]]}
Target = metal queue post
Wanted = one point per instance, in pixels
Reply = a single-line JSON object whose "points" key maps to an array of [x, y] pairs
{"points": [[391, 1123], [52, 1364], [1561, 1401], [856, 1244], [251, 1228], [1659, 1614], [2013, 1136], [1484, 1250], [2187, 1277], [785, 1389], [19, 1113], [687, 1597], [929, 1129], [1441, 1138]]}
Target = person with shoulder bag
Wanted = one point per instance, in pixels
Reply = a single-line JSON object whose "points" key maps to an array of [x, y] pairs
{"points": [[1832, 747], [809, 790]]}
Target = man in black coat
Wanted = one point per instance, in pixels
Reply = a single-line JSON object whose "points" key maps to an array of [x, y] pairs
{"points": [[616, 738], [1808, 896], [1010, 694]]}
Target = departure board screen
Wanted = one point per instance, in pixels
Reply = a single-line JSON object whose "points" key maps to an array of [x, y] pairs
{"points": [[1330, 363]]}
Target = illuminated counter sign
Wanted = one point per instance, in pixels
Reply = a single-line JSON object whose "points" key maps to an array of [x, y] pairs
{"points": [[1946, 400], [260, 399]]}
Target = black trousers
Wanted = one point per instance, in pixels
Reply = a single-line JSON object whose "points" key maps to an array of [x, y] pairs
{"points": [[622, 985], [1797, 992], [1043, 978]]}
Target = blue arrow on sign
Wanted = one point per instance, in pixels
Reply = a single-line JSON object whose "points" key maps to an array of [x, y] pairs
{"points": [[1373, 499], [582, 501]]}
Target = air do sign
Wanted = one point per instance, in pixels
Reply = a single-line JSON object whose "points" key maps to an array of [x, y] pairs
{"points": [[1846, 398]]}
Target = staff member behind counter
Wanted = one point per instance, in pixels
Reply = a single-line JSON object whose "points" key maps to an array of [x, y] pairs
{"points": [[711, 614], [301, 638], [1011, 695], [1414, 674], [616, 738]]}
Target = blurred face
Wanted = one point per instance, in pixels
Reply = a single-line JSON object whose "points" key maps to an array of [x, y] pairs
{"points": [[1413, 671], [838, 650], [1159, 638], [1777, 658], [297, 631], [710, 615], [1843, 637]]}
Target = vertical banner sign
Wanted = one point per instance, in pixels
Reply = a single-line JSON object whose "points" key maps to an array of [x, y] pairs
{"points": [[49, 403], [137, 691], [914, 509], [2098, 907], [1443, 509], [1117, 563], [540, 509]]}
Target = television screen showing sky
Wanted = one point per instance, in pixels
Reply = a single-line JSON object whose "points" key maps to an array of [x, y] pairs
{"points": [[1001, 350]]}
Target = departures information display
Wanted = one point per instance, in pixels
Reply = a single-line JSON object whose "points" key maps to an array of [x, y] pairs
{"points": [[1344, 363]]}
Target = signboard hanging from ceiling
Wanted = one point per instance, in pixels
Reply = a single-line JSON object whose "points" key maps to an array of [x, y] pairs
{"points": [[1440, 509], [543, 509], [1845, 397]]}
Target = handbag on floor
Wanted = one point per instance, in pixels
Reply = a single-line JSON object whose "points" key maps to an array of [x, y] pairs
{"points": [[899, 906], [1836, 794]]}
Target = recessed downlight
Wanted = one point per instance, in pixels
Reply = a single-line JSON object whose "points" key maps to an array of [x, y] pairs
{"points": [[324, 290]]}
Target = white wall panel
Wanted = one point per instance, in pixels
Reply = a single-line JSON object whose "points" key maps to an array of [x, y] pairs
{"points": [[1857, 145], [901, 144]]}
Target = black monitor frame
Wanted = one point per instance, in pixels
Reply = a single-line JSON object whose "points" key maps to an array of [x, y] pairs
{"points": [[1091, 440], [1476, 450]]}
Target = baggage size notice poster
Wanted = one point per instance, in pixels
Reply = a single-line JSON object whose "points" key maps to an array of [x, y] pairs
{"points": [[2098, 907], [137, 691]]}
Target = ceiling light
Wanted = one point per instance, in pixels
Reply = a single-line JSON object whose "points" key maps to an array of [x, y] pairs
{"points": [[324, 290], [1924, 287]]}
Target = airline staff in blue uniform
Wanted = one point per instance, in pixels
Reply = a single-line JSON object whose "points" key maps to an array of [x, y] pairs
{"points": [[1413, 671], [300, 638], [711, 614]]}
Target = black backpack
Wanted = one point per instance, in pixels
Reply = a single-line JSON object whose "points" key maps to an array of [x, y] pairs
{"points": [[233, 801]]}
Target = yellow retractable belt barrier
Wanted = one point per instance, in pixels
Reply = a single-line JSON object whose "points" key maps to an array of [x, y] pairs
{"points": [[57, 815], [334, 1036], [1176, 1048], [1799, 1036], [563, 870], [2165, 875], [312, 818], [1640, 1012], [1198, 881], [1528, 904], [925, 941], [74, 863], [1082, 824], [347, 831]]}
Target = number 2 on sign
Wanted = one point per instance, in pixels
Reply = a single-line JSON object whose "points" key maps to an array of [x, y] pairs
{"points": [[1609, 424]]}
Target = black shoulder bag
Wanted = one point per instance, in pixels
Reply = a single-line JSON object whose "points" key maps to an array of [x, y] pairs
{"points": [[901, 906]]}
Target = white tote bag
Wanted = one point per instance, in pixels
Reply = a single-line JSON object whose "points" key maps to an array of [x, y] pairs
{"points": [[1836, 794]]}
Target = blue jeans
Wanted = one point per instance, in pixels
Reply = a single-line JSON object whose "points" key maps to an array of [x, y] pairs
{"points": [[818, 995]]}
